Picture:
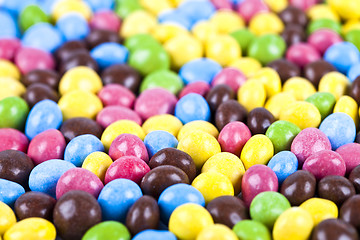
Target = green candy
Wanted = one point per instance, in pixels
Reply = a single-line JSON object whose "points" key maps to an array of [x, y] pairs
{"points": [[13, 113], [251, 230], [164, 79], [244, 38], [324, 102], [281, 133], [31, 15], [109, 230], [324, 23], [140, 41], [124, 7], [266, 207], [267, 48], [353, 36]]}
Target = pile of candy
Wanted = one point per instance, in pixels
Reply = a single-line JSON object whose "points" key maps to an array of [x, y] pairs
{"points": [[179, 119]]}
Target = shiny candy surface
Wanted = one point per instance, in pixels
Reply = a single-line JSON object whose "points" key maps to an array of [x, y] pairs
{"points": [[128, 145], [257, 150], [320, 209], [31, 228]]}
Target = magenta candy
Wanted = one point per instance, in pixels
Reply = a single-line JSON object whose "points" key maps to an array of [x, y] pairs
{"points": [[222, 4], [308, 142], [231, 77], [28, 59], [258, 179], [105, 20], [12, 139], [249, 8], [233, 137], [302, 54], [128, 167], [322, 39], [155, 101], [47, 145], [128, 145], [303, 4], [79, 179], [350, 153], [325, 163], [115, 94], [8, 48], [200, 87], [112, 114]]}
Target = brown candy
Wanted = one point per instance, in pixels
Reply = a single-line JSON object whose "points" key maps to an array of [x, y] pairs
{"points": [[357, 139], [79, 126], [335, 188], [334, 229], [259, 120], [74, 213], [219, 94], [314, 71], [143, 214], [48, 77], [354, 91], [158, 179], [293, 15], [227, 210], [122, 74], [98, 36], [299, 187], [354, 178], [229, 111], [176, 158], [34, 204], [37, 92], [293, 34], [350, 211], [81, 58], [285, 69], [68, 49]]}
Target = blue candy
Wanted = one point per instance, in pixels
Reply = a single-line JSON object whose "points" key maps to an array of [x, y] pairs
{"points": [[99, 5], [45, 115], [197, 10], [283, 164], [157, 140], [44, 177], [80, 147], [117, 197], [354, 72], [107, 54], [155, 235], [175, 17], [202, 69], [8, 26], [342, 55], [177, 195], [10, 191], [73, 26], [339, 128], [192, 107]]}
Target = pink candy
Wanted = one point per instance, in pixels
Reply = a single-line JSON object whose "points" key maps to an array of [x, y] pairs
{"points": [[13, 139], [106, 20], [249, 8], [28, 59], [303, 4], [351, 155], [322, 39], [8, 48], [200, 87], [128, 145], [233, 137], [302, 54], [112, 114], [115, 94], [231, 77], [222, 4]]}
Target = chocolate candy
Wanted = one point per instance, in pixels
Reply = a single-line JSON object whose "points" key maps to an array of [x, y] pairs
{"points": [[98, 36], [34, 204], [227, 210], [122, 74], [314, 71], [158, 179], [350, 211], [285, 69], [69, 48], [48, 77], [335, 188], [354, 178], [293, 15], [259, 120], [299, 187], [293, 34], [79, 58], [39, 91], [354, 91], [143, 214], [229, 111], [74, 127], [334, 229], [219, 94], [74, 213]]}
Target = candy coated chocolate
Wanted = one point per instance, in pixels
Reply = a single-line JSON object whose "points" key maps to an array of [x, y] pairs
{"points": [[79, 58], [259, 120], [219, 94], [293, 34], [354, 90], [334, 229], [285, 69], [48, 77], [335, 188], [293, 15], [13, 139], [98, 36], [68, 49], [122, 74], [127, 144], [350, 211], [314, 71], [229, 111], [37, 92], [74, 127], [354, 178]]}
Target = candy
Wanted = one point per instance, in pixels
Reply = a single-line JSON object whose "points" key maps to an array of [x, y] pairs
{"points": [[114, 113], [247, 229], [37, 92], [64, 7], [324, 24], [248, 8], [176, 18], [28, 59], [302, 54], [8, 218], [128, 145], [9, 27], [353, 72], [155, 234], [252, 94], [346, 104], [353, 37], [9, 70], [34, 204], [107, 54], [283, 164], [348, 153], [229, 111], [8, 47], [74, 127], [285, 69], [165, 122], [334, 228], [281, 133], [322, 39], [342, 55], [157, 140], [257, 150], [233, 137], [223, 49], [302, 114], [10, 87], [106, 20], [13, 139], [299, 87], [13, 112], [275, 106], [247, 65], [314, 71], [10, 191], [266, 23], [324, 102], [66, 24], [320, 209], [243, 37], [216, 231], [267, 48], [99, 36], [97, 163], [107, 230], [115, 94], [293, 15], [336, 189], [190, 72], [165, 79], [349, 210], [167, 31], [51, 38], [231, 77], [293, 34], [226, 21], [354, 90]]}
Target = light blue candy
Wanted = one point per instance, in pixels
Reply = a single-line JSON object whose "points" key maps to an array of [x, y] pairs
{"points": [[80, 147], [283, 164], [342, 56], [44, 177], [100, 5], [155, 235], [192, 107], [8, 26], [45, 115], [354, 72], [73, 26], [117, 197], [175, 17], [107, 54], [157, 140], [12, 6], [339, 128], [177, 195], [202, 69], [10, 191], [197, 10]]}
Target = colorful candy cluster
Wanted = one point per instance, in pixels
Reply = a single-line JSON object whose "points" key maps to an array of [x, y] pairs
{"points": [[179, 119]]}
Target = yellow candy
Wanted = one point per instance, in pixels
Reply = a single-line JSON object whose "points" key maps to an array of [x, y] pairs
{"points": [[320, 209], [198, 125], [217, 232], [10, 87], [188, 220], [351, 24], [120, 127], [31, 229], [165, 122], [299, 87], [302, 114], [167, 31], [258, 150], [277, 5], [226, 21], [335, 83], [138, 22], [80, 103], [347, 9], [156, 6], [176, 3], [7, 218], [9, 70], [200, 146], [223, 49], [182, 49], [278, 102], [212, 185], [247, 65], [64, 7], [252, 94], [204, 31], [80, 78], [321, 11], [271, 80], [294, 223], [97, 163], [348, 105], [229, 165], [263, 23]]}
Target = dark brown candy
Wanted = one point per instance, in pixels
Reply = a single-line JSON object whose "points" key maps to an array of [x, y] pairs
{"points": [[334, 229], [229, 111], [299, 187], [314, 71], [293, 15], [227, 210], [47, 77], [82, 58], [74, 213], [122, 74], [285, 69], [98, 36], [79, 126], [293, 34], [354, 91], [143, 214], [350, 211], [176, 158], [354, 178], [219, 94], [158, 179], [68, 49], [357, 139], [335, 188], [39, 91], [259, 120], [15, 166], [35, 204]]}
